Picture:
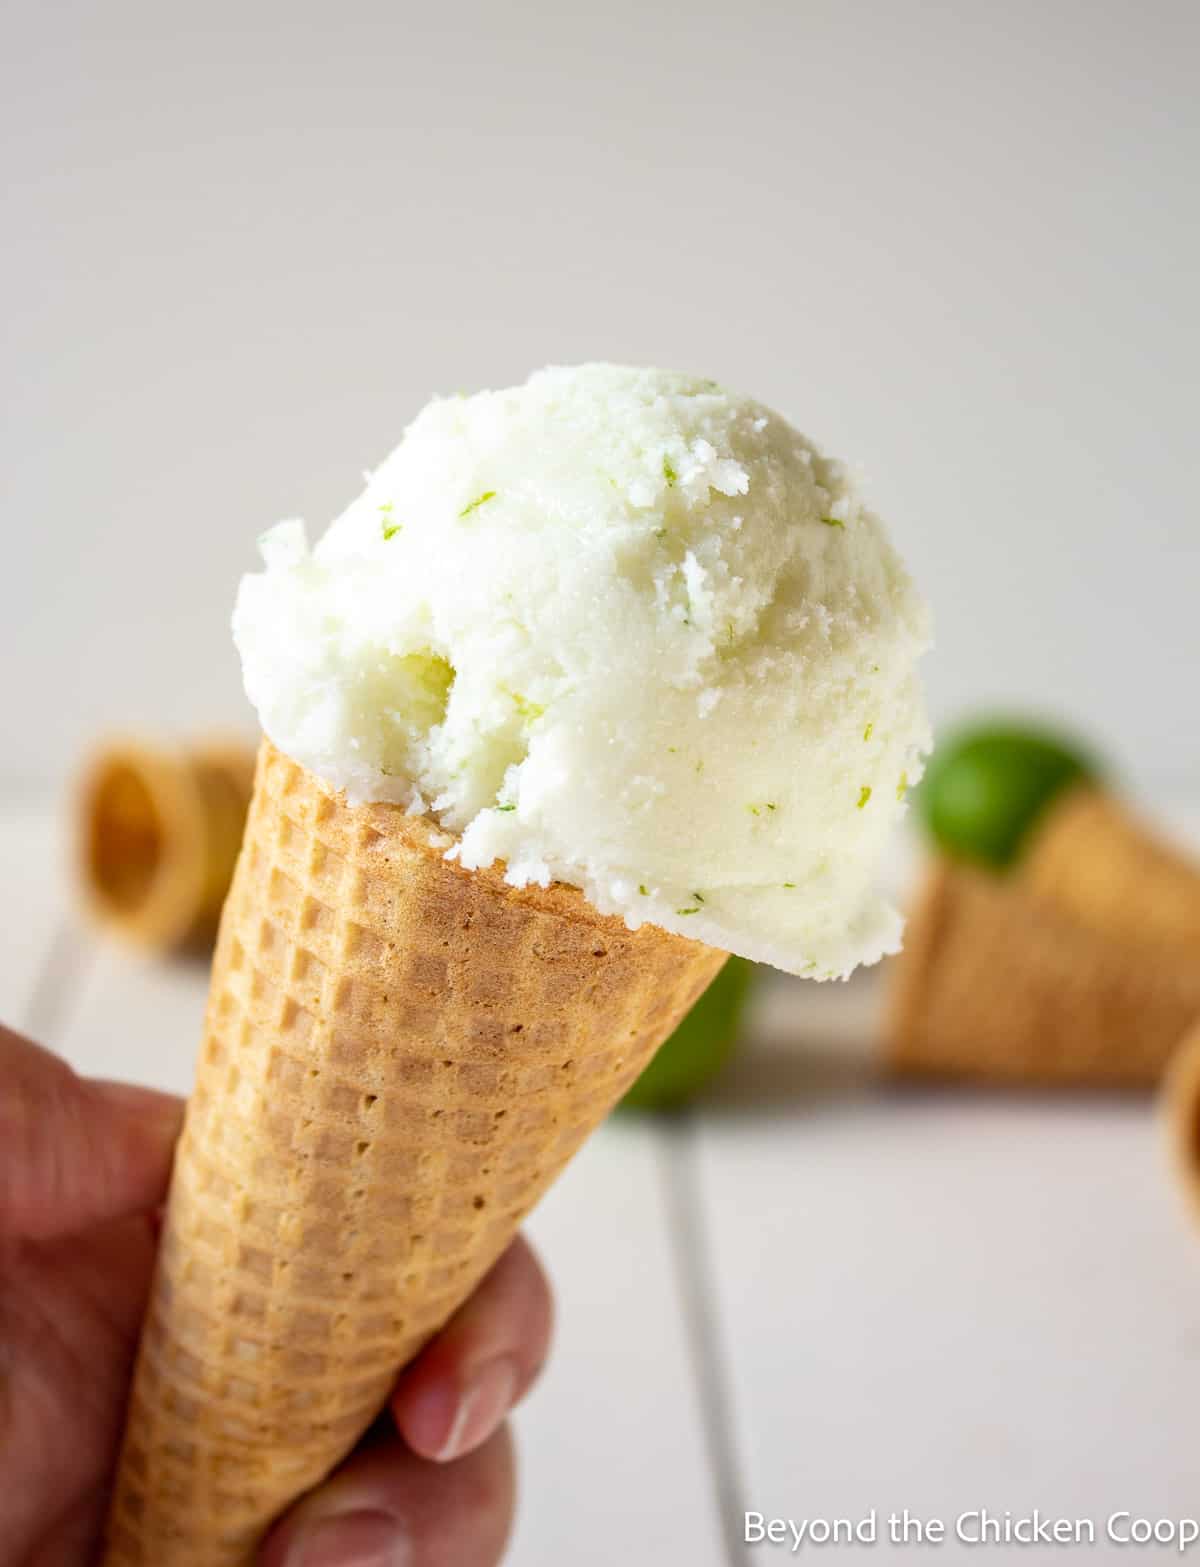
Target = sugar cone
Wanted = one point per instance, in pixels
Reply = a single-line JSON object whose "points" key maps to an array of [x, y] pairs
{"points": [[995, 983], [1181, 1100], [158, 832], [399, 1056], [1098, 863]]}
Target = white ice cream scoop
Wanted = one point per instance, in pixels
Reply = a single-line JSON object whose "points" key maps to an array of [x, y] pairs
{"points": [[619, 628]]}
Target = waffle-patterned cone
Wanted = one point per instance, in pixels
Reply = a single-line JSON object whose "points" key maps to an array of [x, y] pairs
{"points": [[399, 1057], [1181, 1099], [995, 983], [158, 831], [1098, 863]]}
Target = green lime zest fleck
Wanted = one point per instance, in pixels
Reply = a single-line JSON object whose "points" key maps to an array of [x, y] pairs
{"points": [[729, 631], [506, 807], [789, 884], [660, 533], [864, 795], [693, 910], [902, 786], [868, 731], [642, 889], [833, 522], [754, 810], [700, 765], [479, 500], [669, 473], [672, 750], [525, 707], [699, 897], [388, 528], [771, 806]]}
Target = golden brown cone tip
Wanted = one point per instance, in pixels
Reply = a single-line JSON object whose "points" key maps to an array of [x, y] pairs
{"points": [[158, 829], [398, 1058], [996, 983], [1099, 863]]}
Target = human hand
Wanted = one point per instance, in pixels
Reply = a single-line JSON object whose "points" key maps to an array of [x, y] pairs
{"points": [[84, 1167]]}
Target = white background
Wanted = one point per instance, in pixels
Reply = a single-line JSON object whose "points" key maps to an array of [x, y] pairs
{"points": [[957, 243]]}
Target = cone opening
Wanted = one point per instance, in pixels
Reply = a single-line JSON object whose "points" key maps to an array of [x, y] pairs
{"points": [[126, 840]]}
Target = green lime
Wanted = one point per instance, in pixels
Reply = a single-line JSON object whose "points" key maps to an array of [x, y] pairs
{"points": [[699, 1047], [987, 786]]}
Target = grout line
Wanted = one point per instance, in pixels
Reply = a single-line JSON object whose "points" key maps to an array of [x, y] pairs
{"points": [[694, 1276], [59, 980]]}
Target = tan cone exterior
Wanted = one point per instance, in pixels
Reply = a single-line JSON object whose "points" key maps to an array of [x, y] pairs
{"points": [[1181, 1098], [994, 983], [399, 1057], [158, 831], [1096, 862]]}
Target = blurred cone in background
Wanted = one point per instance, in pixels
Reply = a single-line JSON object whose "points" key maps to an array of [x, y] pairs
{"points": [[1072, 954], [1181, 1099], [158, 832], [399, 1057], [1095, 861], [997, 983]]}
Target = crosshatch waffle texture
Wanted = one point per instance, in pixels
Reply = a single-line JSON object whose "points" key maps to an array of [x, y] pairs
{"points": [[398, 1058], [1098, 863], [996, 983]]}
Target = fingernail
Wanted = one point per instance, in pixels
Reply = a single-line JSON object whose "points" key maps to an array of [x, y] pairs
{"points": [[485, 1401], [350, 1540]]}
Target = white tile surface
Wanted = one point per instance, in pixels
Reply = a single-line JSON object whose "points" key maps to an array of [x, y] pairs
{"points": [[614, 1462], [946, 1302], [135, 1018], [34, 902]]}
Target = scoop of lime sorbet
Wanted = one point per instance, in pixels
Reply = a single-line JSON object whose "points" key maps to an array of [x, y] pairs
{"points": [[619, 628]]}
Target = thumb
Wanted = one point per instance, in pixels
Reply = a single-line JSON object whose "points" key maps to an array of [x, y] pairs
{"points": [[75, 1152]]}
